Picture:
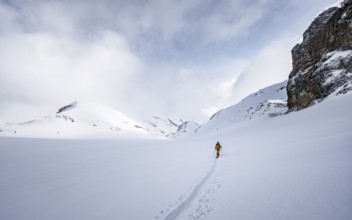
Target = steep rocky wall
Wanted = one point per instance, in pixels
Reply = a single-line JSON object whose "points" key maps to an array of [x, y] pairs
{"points": [[322, 63]]}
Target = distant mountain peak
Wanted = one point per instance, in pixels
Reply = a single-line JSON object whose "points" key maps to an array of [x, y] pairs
{"points": [[91, 119]]}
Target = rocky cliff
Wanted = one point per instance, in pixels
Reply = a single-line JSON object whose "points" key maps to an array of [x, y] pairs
{"points": [[322, 63]]}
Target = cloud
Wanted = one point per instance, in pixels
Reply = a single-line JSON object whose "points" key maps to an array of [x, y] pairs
{"points": [[176, 91], [271, 65], [44, 62], [42, 66], [184, 58], [166, 29], [52, 66], [235, 19]]}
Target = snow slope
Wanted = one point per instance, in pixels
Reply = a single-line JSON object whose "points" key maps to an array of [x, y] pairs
{"points": [[267, 102], [296, 166]]}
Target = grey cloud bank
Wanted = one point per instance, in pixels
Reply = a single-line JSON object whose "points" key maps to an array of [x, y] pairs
{"points": [[176, 58]]}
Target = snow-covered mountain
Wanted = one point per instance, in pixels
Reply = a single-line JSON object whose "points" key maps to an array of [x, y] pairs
{"points": [[78, 119], [267, 102], [187, 129], [90, 119], [161, 125]]}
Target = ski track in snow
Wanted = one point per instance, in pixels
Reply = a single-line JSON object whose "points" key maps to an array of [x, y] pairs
{"points": [[199, 202]]}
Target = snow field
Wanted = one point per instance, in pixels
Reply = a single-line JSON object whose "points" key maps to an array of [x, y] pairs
{"points": [[95, 179], [294, 166]]}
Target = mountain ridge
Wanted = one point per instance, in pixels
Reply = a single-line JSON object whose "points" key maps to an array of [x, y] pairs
{"points": [[85, 119]]}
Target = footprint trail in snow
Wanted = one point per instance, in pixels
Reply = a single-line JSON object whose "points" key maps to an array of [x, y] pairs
{"points": [[200, 200]]}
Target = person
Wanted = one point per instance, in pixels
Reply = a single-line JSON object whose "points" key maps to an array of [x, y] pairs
{"points": [[217, 148]]}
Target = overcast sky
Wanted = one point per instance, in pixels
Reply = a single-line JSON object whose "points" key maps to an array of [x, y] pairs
{"points": [[183, 58]]}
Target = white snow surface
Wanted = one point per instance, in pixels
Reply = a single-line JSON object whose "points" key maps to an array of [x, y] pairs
{"points": [[294, 166]]}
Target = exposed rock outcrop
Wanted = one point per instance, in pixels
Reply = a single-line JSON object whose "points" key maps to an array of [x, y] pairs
{"points": [[186, 128], [322, 63], [67, 107]]}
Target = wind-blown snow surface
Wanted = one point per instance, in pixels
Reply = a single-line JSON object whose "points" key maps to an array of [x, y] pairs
{"points": [[295, 166]]}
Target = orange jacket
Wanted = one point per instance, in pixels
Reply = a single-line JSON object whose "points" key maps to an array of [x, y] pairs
{"points": [[217, 146]]}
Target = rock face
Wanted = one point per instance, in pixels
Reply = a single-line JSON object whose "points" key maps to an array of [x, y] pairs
{"points": [[67, 107], [322, 63]]}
